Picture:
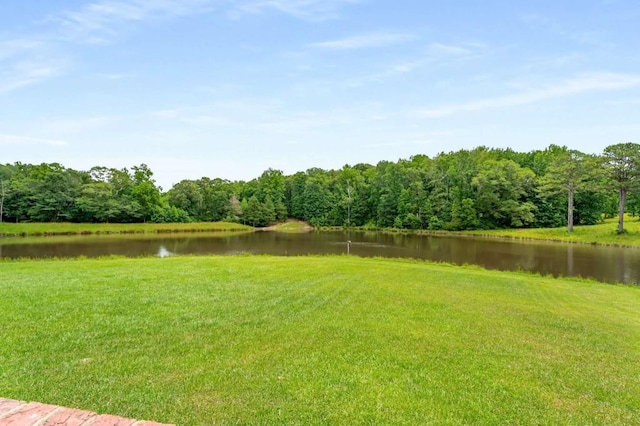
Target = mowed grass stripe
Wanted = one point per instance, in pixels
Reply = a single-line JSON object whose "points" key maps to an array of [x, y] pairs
{"points": [[308, 340]]}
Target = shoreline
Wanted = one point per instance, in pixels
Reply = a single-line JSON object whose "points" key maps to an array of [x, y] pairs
{"points": [[67, 229], [596, 235]]}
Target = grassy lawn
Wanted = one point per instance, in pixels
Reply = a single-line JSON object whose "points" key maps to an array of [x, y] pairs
{"points": [[604, 233], [318, 340], [37, 229]]}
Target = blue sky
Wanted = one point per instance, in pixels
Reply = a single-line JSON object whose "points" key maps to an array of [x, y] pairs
{"points": [[229, 88]]}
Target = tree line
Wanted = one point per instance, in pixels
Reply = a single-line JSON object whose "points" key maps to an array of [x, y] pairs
{"points": [[482, 188]]}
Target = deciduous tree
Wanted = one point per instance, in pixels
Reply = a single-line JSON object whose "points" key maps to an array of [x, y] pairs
{"points": [[502, 189]]}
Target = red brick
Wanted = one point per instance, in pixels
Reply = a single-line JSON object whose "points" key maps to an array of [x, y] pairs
{"points": [[27, 414], [68, 417], [108, 420], [9, 405], [19, 413]]}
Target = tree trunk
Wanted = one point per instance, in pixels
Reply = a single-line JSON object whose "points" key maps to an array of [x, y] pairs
{"points": [[1, 200], [570, 209], [623, 198]]}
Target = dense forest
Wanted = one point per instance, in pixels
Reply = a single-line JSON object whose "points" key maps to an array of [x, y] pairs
{"points": [[482, 188]]}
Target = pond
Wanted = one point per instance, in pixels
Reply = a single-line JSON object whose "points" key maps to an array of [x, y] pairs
{"points": [[607, 264]]}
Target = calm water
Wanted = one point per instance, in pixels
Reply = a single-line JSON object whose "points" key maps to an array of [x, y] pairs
{"points": [[607, 264]]}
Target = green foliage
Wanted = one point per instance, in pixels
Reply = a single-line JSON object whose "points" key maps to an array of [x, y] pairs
{"points": [[203, 199], [295, 194], [253, 212], [572, 172], [387, 189], [271, 189], [257, 213], [186, 195], [316, 202], [169, 214], [502, 189], [463, 215], [483, 188], [589, 207], [269, 211], [622, 161], [435, 223], [550, 211]]}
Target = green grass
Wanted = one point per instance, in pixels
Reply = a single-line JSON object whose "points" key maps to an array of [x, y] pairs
{"points": [[604, 233], [318, 340], [39, 229]]}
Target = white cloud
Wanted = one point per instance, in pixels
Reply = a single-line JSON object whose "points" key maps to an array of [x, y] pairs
{"points": [[17, 47], [24, 62], [115, 76], [632, 101], [269, 120], [436, 53], [100, 21], [443, 52], [23, 140], [449, 49], [77, 125], [407, 142], [312, 10], [561, 29], [388, 72], [27, 61], [581, 84], [26, 73], [365, 41]]}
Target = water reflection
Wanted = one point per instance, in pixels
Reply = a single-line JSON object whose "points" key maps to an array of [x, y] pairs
{"points": [[163, 252], [608, 264]]}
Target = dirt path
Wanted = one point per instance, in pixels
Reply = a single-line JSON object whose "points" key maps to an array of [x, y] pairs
{"points": [[290, 226]]}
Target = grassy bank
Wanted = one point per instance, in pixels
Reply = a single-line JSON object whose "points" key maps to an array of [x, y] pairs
{"points": [[310, 340], [603, 233], [292, 226], [39, 229]]}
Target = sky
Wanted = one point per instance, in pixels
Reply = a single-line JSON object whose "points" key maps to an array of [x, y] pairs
{"points": [[230, 88]]}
